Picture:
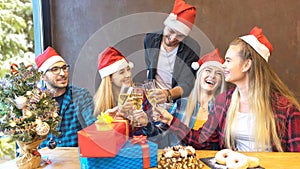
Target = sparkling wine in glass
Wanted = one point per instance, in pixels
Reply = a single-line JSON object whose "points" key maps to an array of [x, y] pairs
{"points": [[125, 93], [150, 87], [137, 98]]}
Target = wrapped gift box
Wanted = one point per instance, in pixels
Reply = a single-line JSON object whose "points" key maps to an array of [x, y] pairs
{"points": [[129, 157], [95, 143]]}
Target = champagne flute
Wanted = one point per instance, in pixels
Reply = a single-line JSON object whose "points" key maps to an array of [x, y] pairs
{"points": [[150, 87], [124, 94], [137, 98]]}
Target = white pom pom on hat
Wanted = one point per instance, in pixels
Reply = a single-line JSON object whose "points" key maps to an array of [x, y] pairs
{"points": [[212, 58]]}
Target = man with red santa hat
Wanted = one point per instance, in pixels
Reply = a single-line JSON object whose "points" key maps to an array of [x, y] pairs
{"points": [[76, 104], [170, 53]]}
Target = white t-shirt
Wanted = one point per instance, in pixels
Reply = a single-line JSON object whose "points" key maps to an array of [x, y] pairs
{"points": [[244, 132], [165, 67]]}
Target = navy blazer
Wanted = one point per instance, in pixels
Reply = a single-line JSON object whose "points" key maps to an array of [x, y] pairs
{"points": [[188, 52]]}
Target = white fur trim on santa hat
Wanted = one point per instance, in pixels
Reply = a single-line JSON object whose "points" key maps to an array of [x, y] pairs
{"points": [[195, 65], [173, 23], [211, 63], [49, 62], [116, 66], [260, 48]]}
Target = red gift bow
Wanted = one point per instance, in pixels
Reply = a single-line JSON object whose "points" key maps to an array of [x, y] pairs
{"points": [[138, 139], [142, 140], [14, 68]]}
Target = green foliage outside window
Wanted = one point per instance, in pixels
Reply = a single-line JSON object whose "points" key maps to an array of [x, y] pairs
{"points": [[16, 45], [16, 33]]}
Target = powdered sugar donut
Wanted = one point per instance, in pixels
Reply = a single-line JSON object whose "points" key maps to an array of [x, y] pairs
{"points": [[237, 161], [253, 162], [222, 155]]}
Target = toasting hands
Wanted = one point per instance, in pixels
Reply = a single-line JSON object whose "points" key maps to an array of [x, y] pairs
{"points": [[161, 114]]}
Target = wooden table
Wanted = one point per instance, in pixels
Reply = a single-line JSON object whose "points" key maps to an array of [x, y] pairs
{"points": [[61, 158], [67, 157]]}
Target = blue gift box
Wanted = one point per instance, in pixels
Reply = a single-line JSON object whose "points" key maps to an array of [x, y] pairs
{"points": [[129, 157]]}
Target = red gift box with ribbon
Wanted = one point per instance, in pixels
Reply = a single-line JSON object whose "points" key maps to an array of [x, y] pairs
{"points": [[93, 142], [138, 153], [142, 141]]}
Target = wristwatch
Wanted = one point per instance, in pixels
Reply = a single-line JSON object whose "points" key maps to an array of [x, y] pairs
{"points": [[169, 97]]}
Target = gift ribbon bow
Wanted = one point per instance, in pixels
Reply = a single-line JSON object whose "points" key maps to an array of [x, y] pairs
{"points": [[139, 139], [142, 141], [126, 127], [14, 68], [103, 117]]}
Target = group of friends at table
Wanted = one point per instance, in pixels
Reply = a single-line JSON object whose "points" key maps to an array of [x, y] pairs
{"points": [[258, 113]]}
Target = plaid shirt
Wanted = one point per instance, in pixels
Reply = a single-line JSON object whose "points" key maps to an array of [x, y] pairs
{"points": [[76, 113], [164, 137], [211, 135]]}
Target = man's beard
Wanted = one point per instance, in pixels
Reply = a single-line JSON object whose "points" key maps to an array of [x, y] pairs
{"points": [[52, 84], [168, 44]]}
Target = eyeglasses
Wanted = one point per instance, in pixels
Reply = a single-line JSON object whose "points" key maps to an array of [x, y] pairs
{"points": [[56, 69]]}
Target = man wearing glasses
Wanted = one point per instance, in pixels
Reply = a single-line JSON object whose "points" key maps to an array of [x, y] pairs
{"points": [[76, 104]]}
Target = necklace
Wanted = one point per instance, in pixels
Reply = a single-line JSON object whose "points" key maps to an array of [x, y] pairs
{"points": [[203, 109]]}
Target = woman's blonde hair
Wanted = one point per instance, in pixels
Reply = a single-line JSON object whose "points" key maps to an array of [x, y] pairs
{"points": [[263, 84], [195, 94], [103, 98]]}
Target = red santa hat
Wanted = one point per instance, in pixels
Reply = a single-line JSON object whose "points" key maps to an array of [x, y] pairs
{"points": [[259, 43], [182, 17], [111, 61], [210, 59], [45, 60]]}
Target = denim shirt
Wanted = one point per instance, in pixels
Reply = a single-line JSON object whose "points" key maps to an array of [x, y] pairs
{"points": [[162, 135], [178, 110], [76, 113]]}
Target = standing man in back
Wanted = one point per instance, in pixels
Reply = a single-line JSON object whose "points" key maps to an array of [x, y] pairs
{"points": [[170, 53], [75, 104]]}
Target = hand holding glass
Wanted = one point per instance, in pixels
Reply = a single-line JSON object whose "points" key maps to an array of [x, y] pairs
{"points": [[124, 100], [151, 90]]}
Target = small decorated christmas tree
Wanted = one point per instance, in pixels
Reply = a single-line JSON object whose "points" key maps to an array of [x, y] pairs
{"points": [[27, 112]]}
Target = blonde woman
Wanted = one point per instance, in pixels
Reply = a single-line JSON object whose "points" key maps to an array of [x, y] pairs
{"points": [[115, 71], [259, 114], [209, 83], [193, 110]]}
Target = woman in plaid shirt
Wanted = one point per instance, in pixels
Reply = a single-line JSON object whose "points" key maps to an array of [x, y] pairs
{"points": [[259, 114], [193, 110]]}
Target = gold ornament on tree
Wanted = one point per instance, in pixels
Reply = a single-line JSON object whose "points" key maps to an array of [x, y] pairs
{"points": [[27, 112]]}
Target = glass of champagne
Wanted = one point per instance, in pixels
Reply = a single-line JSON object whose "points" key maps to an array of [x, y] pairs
{"points": [[137, 98], [150, 87], [125, 93]]}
